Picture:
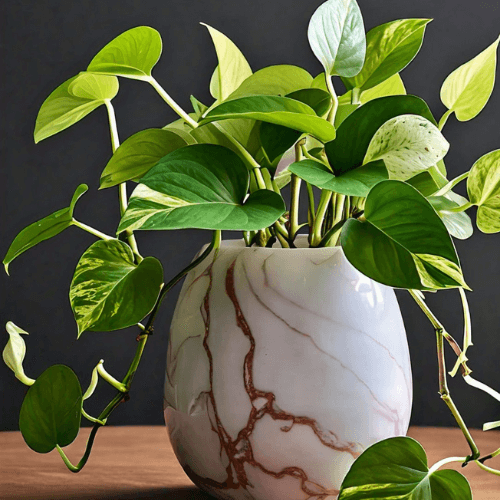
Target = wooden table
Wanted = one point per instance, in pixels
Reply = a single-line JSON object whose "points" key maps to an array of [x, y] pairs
{"points": [[137, 463]]}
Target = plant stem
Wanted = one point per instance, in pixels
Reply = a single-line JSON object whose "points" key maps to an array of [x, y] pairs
{"points": [[355, 96], [445, 461], [122, 188], [335, 104], [92, 419], [482, 387], [110, 379], [320, 215], [295, 184], [444, 119], [489, 456], [91, 230], [163, 94], [443, 384], [461, 208], [448, 187], [487, 469]]}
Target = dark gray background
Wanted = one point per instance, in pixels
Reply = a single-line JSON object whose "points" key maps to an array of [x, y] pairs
{"points": [[43, 43]]}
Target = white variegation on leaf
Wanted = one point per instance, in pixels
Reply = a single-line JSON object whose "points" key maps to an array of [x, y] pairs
{"points": [[467, 90], [337, 37], [408, 144], [483, 186], [109, 291], [14, 352]]}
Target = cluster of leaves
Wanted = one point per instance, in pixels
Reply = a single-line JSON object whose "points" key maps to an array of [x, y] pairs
{"points": [[373, 156]]}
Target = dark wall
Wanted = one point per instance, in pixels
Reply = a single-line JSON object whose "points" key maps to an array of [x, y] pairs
{"points": [[45, 42]]}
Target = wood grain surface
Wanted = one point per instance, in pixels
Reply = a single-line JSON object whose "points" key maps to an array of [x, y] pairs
{"points": [[137, 463]]}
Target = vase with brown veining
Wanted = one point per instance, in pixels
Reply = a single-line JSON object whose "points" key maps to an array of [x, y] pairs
{"points": [[283, 366]]}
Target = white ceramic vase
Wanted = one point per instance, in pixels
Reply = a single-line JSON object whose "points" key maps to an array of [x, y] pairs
{"points": [[283, 366]]}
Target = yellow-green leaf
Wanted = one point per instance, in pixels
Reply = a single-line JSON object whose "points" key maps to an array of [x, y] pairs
{"points": [[14, 352]]}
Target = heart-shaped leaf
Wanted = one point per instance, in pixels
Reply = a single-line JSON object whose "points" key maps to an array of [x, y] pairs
{"points": [[408, 144], [109, 291], [51, 410], [348, 150], [232, 70], [43, 229], [14, 352], [274, 80], [274, 109], [133, 54], [467, 90], [337, 37], [138, 154], [459, 224], [403, 243], [72, 101], [201, 186], [483, 186], [357, 182], [397, 468], [276, 139], [389, 49]]}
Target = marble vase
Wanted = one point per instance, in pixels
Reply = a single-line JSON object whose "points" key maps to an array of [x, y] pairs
{"points": [[283, 366]]}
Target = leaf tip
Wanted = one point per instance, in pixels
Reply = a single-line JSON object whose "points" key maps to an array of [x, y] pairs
{"points": [[6, 267]]}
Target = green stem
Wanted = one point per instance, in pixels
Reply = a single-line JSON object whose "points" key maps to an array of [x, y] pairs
{"points": [[320, 215], [490, 456], [92, 419], [337, 227], [335, 104], [445, 461], [163, 94], [487, 469], [355, 96], [110, 379], [443, 384], [448, 187], [91, 230], [444, 119], [461, 208]]}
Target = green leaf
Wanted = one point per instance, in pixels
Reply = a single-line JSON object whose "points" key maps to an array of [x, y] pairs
{"points": [[133, 54], [459, 224], [337, 37], [138, 154], [403, 243], [389, 49], [483, 186], [14, 352], [467, 90], [198, 107], [201, 186], [274, 80], [392, 86], [348, 150], [397, 468], [43, 229], [274, 109], [72, 101], [357, 182], [408, 144], [51, 411], [425, 183], [109, 291], [232, 70]]}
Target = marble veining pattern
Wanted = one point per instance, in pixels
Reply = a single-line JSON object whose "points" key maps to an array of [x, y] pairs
{"points": [[282, 367]]}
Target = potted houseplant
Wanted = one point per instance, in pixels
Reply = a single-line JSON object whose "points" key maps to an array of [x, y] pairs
{"points": [[280, 341]]}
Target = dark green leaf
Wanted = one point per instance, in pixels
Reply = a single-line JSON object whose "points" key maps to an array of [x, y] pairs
{"points": [[425, 183], [43, 229], [51, 411], [138, 154], [348, 150], [274, 109], [403, 243], [132, 54], [337, 37], [357, 182], [201, 186], [397, 468], [72, 101], [389, 48], [109, 291]]}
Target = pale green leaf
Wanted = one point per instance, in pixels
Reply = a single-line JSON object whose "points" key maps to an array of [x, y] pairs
{"points": [[138, 154], [43, 229], [389, 49], [109, 291], [337, 37], [203, 186], [408, 144], [232, 69], [483, 186], [459, 224], [392, 86], [133, 54], [14, 352], [467, 90], [491, 425], [63, 108]]}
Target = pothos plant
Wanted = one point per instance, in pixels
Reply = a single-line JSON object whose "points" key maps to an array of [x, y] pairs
{"points": [[370, 160]]}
